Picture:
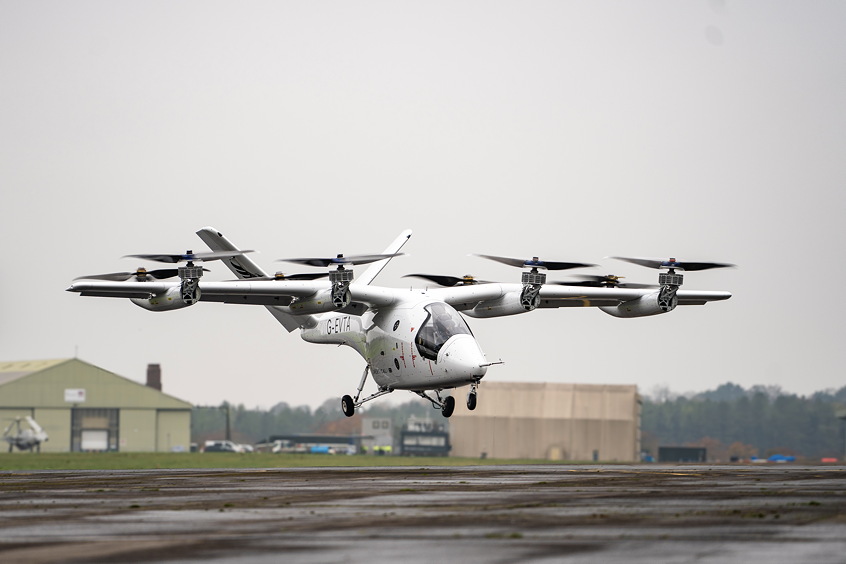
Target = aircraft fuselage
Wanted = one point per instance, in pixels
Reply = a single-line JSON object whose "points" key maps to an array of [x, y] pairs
{"points": [[420, 345]]}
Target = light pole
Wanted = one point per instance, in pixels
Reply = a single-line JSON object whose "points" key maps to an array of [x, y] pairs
{"points": [[841, 414], [228, 427]]}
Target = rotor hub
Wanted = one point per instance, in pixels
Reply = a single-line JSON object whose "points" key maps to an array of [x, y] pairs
{"points": [[670, 278], [190, 272], [534, 278], [340, 276]]}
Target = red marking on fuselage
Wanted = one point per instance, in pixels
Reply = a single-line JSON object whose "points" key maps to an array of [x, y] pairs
{"points": [[413, 356]]}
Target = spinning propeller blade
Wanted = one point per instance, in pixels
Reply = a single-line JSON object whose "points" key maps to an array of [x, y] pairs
{"points": [[189, 256], [341, 260], [607, 281], [140, 274], [673, 263], [536, 263], [448, 281]]}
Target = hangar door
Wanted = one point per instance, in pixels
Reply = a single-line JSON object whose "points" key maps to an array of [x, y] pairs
{"points": [[94, 430]]}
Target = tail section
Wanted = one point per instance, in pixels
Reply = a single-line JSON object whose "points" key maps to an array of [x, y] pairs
{"points": [[244, 268], [374, 269], [33, 425]]}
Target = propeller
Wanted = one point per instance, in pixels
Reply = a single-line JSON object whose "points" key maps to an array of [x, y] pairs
{"points": [[607, 281], [189, 256], [282, 276], [341, 260], [674, 264], [448, 281], [12, 424], [142, 274], [535, 262]]}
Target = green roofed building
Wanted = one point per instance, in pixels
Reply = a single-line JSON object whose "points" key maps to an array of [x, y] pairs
{"points": [[82, 407]]}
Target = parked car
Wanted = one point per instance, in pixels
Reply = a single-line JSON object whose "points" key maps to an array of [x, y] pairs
{"points": [[222, 446]]}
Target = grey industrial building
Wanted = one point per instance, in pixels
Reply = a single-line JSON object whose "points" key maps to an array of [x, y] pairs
{"points": [[549, 421], [85, 408]]}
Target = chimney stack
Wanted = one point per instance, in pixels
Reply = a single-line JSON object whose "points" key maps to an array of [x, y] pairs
{"points": [[154, 376]]}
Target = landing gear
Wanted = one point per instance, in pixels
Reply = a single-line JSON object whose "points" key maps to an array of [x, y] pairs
{"points": [[448, 406], [472, 397], [348, 406]]}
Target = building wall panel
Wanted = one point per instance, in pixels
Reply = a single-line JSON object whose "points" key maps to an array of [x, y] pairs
{"points": [[137, 430], [56, 423], [546, 420], [173, 431]]}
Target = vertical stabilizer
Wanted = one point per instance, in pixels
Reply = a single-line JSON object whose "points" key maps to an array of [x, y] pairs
{"points": [[243, 267], [374, 269]]}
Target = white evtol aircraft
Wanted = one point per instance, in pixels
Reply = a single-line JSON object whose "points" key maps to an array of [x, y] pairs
{"points": [[416, 340]]}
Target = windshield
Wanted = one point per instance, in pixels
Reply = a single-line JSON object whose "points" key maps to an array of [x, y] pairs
{"points": [[442, 323]]}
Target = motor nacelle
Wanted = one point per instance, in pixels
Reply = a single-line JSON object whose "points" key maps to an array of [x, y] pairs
{"points": [[511, 303], [176, 297], [323, 301], [662, 301]]}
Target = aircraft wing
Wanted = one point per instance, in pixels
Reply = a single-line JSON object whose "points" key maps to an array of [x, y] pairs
{"points": [[246, 292], [493, 300], [264, 292], [468, 297], [576, 296], [107, 289]]}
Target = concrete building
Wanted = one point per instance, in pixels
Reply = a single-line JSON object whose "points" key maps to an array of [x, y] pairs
{"points": [[549, 421], [85, 408], [377, 434]]}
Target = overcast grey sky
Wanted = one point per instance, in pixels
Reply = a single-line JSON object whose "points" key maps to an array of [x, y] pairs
{"points": [[704, 130]]}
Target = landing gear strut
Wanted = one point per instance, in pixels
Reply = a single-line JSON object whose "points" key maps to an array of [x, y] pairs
{"points": [[446, 405], [348, 404]]}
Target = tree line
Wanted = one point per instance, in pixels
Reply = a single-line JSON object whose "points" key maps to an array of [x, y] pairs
{"points": [[735, 422], [729, 421], [253, 426]]}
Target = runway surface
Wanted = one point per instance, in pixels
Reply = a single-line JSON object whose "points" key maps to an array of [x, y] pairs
{"points": [[631, 514]]}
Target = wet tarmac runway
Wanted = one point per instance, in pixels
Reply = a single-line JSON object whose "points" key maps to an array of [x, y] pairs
{"points": [[470, 515]]}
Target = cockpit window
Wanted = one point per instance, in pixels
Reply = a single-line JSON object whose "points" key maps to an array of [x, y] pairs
{"points": [[442, 323]]}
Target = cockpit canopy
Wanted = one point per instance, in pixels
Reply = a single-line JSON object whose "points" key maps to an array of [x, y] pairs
{"points": [[441, 323]]}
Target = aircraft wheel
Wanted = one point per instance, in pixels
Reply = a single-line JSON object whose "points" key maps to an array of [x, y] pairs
{"points": [[448, 406], [471, 401], [348, 406]]}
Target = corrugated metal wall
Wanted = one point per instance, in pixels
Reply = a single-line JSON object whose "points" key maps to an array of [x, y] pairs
{"points": [[549, 421]]}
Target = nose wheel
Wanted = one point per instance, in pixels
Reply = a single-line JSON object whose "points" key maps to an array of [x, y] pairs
{"points": [[472, 397]]}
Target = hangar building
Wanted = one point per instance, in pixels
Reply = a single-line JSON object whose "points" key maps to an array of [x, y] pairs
{"points": [[549, 421], [82, 407]]}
